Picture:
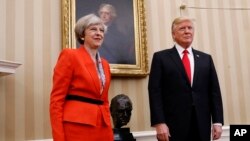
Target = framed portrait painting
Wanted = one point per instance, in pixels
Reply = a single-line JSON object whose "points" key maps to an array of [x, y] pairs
{"points": [[124, 45]]}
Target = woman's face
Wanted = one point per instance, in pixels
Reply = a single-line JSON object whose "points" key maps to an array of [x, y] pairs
{"points": [[93, 36]]}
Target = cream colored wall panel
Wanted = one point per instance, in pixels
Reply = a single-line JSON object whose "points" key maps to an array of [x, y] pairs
{"points": [[245, 16], [3, 57], [244, 64], [152, 32], [38, 46], [19, 75], [2, 29], [239, 67], [2, 108], [219, 54], [10, 80], [231, 56], [145, 105], [203, 23], [29, 69], [166, 27], [55, 31], [162, 24]]}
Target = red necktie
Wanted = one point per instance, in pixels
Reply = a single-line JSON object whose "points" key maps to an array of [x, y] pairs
{"points": [[186, 64]]}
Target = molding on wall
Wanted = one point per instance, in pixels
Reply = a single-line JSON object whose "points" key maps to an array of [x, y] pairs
{"points": [[8, 67], [150, 135]]}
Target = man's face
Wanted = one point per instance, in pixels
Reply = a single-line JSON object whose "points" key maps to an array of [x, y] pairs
{"points": [[183, 33], [105, 15]]}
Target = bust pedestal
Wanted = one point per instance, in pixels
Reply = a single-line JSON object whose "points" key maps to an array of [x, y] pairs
{"points": [[123, 134]]}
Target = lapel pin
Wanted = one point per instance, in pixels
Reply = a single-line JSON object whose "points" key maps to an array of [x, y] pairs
{"points": [[197, 55]]}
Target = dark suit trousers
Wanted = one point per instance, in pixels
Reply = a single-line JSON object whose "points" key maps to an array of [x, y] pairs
{"points": [[194, 134]]}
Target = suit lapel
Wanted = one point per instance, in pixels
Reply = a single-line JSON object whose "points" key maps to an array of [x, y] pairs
{"points": [[90, 67], [176, 58], [107, 74], [196, 65]]}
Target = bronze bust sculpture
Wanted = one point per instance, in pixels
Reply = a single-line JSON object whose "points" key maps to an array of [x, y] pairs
{"points": [[121, 107]]}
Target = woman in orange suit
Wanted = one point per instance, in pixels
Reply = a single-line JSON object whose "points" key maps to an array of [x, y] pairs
{"points": [[79, 106]]}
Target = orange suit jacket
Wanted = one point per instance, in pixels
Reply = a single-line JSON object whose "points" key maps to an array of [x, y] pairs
{"points": [[75, 73]]}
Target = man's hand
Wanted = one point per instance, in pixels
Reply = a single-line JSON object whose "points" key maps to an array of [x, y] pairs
{"points": [[216, 132], [162, 132]]}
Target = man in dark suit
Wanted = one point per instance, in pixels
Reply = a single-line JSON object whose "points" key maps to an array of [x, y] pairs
{"points": [[184, 103]]}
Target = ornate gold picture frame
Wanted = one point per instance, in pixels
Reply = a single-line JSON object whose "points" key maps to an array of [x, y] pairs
{"points": [[130, 18]]}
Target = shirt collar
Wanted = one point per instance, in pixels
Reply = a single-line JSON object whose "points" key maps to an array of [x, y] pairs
{"points": [[181, 49]]}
